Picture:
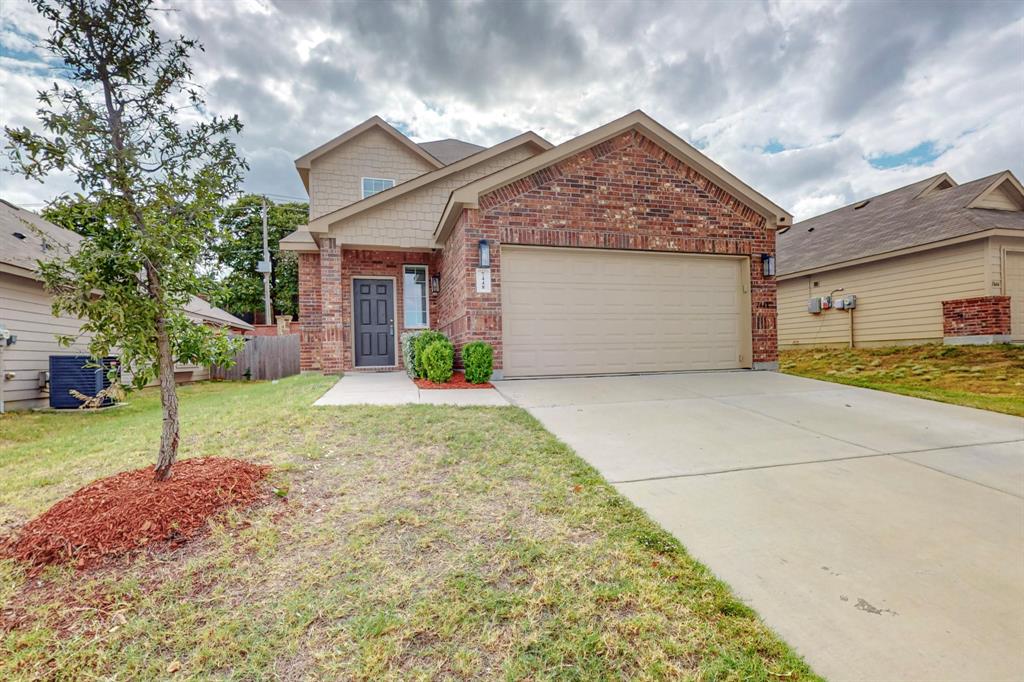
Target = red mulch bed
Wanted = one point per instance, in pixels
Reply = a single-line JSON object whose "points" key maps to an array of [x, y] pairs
{"points": [[132, 511], [458, 380]]}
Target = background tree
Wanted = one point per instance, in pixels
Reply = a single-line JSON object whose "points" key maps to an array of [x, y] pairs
{"points": [[157, 183], [240, 248]]}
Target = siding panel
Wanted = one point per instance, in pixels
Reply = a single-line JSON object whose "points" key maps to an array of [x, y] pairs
{"points": [[335, 179], [409, 221], [25, 310], [899, 300]]}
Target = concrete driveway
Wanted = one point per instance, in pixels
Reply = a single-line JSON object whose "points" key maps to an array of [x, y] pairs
{"points": [[882, 536]]}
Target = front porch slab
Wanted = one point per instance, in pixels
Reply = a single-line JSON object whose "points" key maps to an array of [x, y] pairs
{"points": [[396, 388]]}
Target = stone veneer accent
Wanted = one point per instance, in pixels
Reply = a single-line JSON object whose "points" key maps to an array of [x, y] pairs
{"points": [[626, 193], [981, 316]]}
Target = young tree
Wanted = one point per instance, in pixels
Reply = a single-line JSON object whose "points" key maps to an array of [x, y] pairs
{"points": [[241, 248], [132, 129]]}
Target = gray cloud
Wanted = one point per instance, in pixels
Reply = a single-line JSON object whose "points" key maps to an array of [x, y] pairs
{"points": [[838, 82]]}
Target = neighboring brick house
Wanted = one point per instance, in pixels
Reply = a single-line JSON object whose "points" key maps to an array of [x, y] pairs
{"points": [[622, 250], [931, 262]]}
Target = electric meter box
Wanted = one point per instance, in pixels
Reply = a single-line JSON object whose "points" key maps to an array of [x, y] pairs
{"points": [[814, 306], [850, 301]]}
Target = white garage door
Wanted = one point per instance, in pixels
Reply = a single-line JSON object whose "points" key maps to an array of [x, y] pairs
{"points": [[580, 311]]}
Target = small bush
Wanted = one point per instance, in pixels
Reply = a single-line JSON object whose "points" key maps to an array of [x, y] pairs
{"points": [[437, 360], [408, 340], [478, 359], [422, 340]]}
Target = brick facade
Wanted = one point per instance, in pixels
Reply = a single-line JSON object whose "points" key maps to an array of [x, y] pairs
{"points": [[327, 328], [310, 339], [626, 193], [979, 316], [358, 263]]}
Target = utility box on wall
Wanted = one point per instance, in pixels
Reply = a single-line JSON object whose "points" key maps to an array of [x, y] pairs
{"points": [[814, 305]]}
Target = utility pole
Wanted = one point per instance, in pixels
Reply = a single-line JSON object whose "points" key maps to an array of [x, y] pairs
{"points": [[268, 312]]}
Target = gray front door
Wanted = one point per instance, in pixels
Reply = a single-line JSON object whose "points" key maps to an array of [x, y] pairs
{"points": [[375, 322]]}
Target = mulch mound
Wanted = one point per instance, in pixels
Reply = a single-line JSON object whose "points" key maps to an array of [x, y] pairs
{"points": [[458, 380], [133, 511]]}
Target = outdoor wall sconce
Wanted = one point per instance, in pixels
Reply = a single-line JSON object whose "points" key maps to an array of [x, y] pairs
{"points": [[768, 265], [435, 283], [485, 254]]}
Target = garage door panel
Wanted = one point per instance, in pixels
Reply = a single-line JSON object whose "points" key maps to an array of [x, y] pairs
{"points": [[588, 312], [1014, 283]]}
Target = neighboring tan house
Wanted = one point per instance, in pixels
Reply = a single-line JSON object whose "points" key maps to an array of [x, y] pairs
{"points": [[622, 250], [931, 262], [25, 311]]}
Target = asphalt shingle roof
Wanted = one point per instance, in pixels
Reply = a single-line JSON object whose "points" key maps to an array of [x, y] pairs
{"points": [[889, 222], [450, 150]]}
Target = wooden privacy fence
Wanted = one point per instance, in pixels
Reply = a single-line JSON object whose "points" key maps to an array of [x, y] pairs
{"points": [[263, 357]]}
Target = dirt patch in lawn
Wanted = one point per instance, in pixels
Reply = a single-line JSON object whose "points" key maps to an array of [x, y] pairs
{"points": [[458, 380], [132, 511]]}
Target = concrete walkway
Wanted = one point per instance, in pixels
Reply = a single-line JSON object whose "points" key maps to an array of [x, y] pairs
{"points": [[396, 388], [882, 536]]}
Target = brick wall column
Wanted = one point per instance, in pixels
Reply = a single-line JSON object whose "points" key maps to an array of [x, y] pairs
{"points": [[310, 313], [982, 319], [333, 332]]}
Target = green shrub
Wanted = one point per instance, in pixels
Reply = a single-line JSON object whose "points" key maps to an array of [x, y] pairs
{"points": [[438, 359], [420, 343], [478, 359], [408, 340]]}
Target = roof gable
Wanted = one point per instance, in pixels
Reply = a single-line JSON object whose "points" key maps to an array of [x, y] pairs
{"points": [[937, 184], [304, 162], [1003, 194], [469, 195], [322, 223]]}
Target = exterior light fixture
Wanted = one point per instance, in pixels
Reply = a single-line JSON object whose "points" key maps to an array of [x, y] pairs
{"points": [[435, 283], [768, 264], [485, 254]]}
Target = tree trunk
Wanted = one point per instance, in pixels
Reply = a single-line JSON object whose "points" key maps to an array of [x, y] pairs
{"points": [[169, 401]]}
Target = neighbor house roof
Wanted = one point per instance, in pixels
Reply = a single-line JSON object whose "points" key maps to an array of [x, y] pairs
{"points": [[468, 195], [930, 211], [322, 223], [211, 313], [26, 238], [303, 163], [450, 150]]}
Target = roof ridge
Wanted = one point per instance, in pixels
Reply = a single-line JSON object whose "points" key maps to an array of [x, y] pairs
{"points": [[451, 139]]}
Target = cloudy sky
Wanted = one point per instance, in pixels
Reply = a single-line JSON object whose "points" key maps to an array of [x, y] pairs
{"points": [[815, 104]]}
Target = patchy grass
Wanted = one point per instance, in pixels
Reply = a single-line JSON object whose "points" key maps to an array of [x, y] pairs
{"points": [[418, 542], [986, 377]]}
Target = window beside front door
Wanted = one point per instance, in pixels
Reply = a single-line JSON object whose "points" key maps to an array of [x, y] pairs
{"points": [[373, 185], [414, 296]]}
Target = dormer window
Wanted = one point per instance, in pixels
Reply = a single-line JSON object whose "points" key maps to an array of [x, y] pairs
{"points": [[373, 185]]}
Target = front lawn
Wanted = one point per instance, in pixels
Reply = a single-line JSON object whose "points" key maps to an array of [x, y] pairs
{"points": [[986, 377], [417, 542]]}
